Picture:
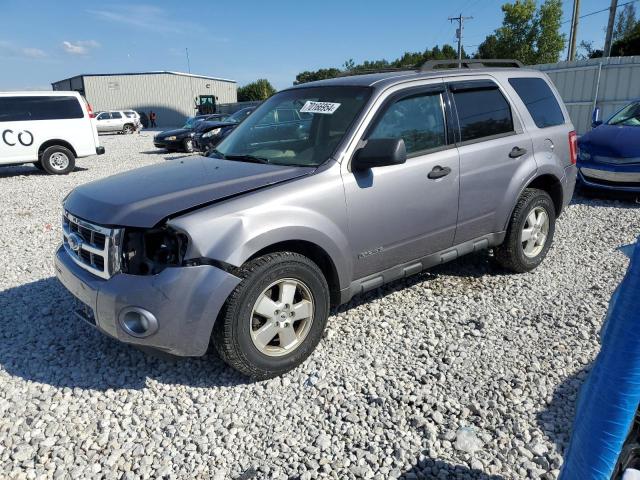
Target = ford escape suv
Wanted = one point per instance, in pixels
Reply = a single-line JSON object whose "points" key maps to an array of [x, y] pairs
{"points": [[249, 247]]}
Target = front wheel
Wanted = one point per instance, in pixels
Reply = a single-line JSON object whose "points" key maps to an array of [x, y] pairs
{"points": [[58, 160], [530, 232], [188, 145], [275, 317]]}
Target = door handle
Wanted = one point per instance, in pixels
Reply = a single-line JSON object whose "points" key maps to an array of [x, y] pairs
{"points": [[517, 152], [439, 172]]}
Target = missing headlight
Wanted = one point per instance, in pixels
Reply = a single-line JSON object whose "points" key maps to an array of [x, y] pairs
{"points": [[149, 252]]}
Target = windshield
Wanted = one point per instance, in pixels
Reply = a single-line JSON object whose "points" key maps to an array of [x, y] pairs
{"points": [[629, 116], [239, 115], [299, 127]]}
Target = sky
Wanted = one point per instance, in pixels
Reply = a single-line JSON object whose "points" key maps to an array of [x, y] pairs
{"points": [[42, 41]]}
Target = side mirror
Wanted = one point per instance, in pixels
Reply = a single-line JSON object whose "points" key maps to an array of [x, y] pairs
{"points": [[380, 152], [595, 118]]}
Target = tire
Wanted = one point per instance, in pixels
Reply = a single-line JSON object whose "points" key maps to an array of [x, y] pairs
{"points": [[521, 256], [187, 145], [263, 284], [38, 165], [128, 129], [58, 160]]}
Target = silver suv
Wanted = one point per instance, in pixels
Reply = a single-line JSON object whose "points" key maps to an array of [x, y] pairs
{"points": [[120, 121], [388, 174]]}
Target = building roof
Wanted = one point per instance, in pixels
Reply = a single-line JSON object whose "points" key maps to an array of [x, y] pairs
{"points": [[153, 72]]}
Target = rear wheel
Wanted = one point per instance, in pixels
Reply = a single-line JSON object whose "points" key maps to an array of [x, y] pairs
{"points": [[275, 317], [58, 160], [530, 232], [128, 129]]}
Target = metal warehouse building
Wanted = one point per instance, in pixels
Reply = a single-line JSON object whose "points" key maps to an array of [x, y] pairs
{"points": [[172, 95]]}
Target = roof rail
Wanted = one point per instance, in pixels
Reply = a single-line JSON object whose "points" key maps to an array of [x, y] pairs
{"points": [[365, 71], [470, 63]]}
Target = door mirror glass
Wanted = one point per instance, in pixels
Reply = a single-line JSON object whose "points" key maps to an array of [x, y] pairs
{"points": [[380, 152]]}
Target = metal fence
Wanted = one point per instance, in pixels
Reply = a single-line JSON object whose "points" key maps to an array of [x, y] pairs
{"points": [[608, 83]]}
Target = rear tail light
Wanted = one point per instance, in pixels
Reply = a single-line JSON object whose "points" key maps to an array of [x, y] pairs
{"points": [[573, 147], [90, 110]]}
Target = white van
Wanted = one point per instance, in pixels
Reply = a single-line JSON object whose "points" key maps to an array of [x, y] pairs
{"points": [[48, 129]]}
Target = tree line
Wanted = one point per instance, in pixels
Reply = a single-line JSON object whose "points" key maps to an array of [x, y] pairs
{"points": [[528, 33]]}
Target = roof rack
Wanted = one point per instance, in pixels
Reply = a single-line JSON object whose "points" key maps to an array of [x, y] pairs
{"points": [[470, 63], [365, 71]]}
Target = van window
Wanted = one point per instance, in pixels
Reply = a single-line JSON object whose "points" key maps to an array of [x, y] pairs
{"points": [[417, 119], [482, 112], [17, 109], [539, 100]]}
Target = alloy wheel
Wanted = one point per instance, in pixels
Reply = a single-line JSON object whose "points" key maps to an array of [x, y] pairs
{"points": [[535, 232]]}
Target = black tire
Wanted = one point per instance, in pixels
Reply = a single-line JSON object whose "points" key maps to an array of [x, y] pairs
{"points": [[511, 254], [128, 129], [38, 165], [50, 160], [231, 334], [187, 145]]}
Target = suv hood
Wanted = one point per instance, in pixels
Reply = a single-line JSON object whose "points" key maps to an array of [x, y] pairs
{"points": [[145, 196]]}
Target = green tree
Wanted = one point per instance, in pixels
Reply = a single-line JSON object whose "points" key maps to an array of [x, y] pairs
{"points": [[527, 34], [625, 22], [322, 74], [629, 45], [261, 89]]}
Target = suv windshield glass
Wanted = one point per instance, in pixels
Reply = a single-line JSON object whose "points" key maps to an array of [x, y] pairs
{"points": [[315, 121], [629, 116]]}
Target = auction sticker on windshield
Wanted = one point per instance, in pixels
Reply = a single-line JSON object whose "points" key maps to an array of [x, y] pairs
{"points": [[319, 107]]}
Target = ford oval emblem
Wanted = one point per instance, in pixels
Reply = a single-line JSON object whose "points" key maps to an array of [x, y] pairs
{"points": [[75, 242]]}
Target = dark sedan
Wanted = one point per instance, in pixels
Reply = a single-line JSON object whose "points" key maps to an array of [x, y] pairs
{"points": [[609, 155], [209, 133], [181, 139]]}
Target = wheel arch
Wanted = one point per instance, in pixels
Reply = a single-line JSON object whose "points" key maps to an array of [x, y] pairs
{"points": [[551, 184], [315, 253], [56, 143]]}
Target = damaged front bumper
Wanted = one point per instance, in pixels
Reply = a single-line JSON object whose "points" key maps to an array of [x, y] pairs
{"points": [[183, 301]]}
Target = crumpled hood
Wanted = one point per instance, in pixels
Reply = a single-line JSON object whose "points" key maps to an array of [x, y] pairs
{"points": [[612, 141], [145, 196]]}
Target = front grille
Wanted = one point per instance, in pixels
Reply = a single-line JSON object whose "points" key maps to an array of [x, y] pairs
{"points": [[92, 247]]}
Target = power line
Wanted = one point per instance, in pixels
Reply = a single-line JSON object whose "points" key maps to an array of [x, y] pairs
{"points": [[600, 11], [460, 19]]}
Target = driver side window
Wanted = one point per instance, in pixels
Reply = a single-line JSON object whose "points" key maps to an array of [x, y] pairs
{"points": [[418, 120], [103, 116]]}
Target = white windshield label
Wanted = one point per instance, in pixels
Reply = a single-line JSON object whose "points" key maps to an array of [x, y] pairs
{"points": [[320, 107]]}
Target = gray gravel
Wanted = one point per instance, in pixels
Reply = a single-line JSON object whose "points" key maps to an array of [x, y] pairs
{"points": [[461, 372]]}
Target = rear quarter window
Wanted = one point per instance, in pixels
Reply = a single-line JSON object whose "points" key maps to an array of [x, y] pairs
{"points": [[539, 100], [16, 109], [482, 112]]}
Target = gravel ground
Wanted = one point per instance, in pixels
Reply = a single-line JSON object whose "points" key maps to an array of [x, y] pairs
{"points": [[461, 372]]}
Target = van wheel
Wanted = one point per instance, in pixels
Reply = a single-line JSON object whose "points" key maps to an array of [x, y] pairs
{"points": [[128, 129], [58, 160], [530, 232], [275, 317]]}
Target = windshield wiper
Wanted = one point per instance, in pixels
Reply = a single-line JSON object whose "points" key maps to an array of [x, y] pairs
{"points": [[246, 158]]}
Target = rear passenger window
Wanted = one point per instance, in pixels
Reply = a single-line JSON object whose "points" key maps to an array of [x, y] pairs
{"points": [[540, 101], [16, 109], [116, 115], [418, 120], [482, 112]]}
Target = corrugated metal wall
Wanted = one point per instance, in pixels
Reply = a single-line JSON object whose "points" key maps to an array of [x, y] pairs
{"points": [[171, 96], [578, 85]]}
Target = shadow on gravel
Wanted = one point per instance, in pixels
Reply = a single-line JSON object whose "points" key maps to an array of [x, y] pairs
{"points": [[556, 420], [432, 469], [42, 341], [604, 198], [28, 169]]}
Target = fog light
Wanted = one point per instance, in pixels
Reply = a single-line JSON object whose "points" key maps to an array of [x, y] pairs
{"points": [[138, 322]]}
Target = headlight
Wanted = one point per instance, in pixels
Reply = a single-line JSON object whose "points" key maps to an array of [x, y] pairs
{"points": [[584, 155], [172, 137], [211, 133], [148, 252]]}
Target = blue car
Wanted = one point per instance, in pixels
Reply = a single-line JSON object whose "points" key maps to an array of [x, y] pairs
{"points": [[609, 155]]}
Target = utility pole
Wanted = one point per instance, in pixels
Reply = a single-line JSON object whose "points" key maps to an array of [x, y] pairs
{"points": [[612, 20], [460, 19], [571, 54]]}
